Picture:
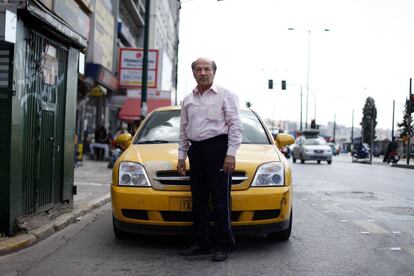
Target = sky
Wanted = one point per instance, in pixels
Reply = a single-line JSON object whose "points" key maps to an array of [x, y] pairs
{"points": [[369, 51]]}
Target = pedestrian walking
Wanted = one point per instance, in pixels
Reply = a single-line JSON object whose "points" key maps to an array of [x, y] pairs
{"points": [[210, 134]]}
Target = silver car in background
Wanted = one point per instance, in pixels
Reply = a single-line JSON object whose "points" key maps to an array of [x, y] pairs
{"points": [[311, 148]]}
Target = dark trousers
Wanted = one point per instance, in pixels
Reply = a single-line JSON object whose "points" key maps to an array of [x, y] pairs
{"points": [[208, 181]]}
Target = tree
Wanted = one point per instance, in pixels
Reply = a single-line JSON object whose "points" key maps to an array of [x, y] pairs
{"points": [[369, 120], [248, 104], [403, 125]]}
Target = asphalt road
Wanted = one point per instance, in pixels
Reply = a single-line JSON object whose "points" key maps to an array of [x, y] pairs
{"points": [[349, 219]]}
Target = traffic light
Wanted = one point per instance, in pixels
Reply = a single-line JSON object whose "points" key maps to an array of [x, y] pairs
{"points": [[270, 84], [283, 85]]}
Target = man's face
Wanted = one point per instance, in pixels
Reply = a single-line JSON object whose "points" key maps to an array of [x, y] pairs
{"points": [[203, 73]]}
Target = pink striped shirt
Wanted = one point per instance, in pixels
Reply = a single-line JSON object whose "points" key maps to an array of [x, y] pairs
{"points": [[213, 113]]}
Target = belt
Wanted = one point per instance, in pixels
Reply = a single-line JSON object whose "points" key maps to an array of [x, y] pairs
{"points": [[216, 139]]}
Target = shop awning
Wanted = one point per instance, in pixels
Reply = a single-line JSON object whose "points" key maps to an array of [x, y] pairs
{"points": [[131, 109]]}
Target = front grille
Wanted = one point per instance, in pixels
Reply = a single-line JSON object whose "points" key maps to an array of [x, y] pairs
{"points": [[173, 178], [188, 216], [135, 214], [266, 214]]}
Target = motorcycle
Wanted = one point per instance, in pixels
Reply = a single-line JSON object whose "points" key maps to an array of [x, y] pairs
{"points": [[361, 153], [393, 157]]}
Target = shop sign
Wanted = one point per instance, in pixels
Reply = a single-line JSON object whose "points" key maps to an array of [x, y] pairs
{"points": [[131, 66], [102, 76]]}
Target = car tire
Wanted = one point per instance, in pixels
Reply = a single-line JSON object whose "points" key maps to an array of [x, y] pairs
{"points": [[329, 162], [282, 235], [118, 233], [319, 161], [302, 161], [294, 159]]}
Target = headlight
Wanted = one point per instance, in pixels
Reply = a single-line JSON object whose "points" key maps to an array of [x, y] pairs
{"points": [[132, 174], [269, 175], [307, 150]]}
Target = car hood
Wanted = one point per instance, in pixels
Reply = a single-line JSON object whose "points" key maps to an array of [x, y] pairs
{"points": [[163, 157]]}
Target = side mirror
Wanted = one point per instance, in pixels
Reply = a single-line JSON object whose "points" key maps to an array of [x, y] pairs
{"points": [[283, 140], [124, 140]]}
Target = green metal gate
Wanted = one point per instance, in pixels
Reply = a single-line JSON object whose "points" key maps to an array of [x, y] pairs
{"points": [[6, 51], [43, 112]]}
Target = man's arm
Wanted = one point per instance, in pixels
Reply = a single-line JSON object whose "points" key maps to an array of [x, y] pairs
{"points": [[183, 143], [232, 117]]}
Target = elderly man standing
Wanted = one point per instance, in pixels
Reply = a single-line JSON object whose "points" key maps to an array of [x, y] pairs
{"points": [[210, 134]]}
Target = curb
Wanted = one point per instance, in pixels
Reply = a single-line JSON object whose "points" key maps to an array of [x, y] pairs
{"points": [[405, 166], [25, 240]]}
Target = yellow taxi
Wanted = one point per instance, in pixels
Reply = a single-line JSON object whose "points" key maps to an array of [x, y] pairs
{"points": [[150, 197]]}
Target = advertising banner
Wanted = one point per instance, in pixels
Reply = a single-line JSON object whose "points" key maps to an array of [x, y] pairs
{"points": [[130, 67]]}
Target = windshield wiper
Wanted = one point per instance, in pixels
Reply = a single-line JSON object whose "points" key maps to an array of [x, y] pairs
{"points": [[153, 142]]}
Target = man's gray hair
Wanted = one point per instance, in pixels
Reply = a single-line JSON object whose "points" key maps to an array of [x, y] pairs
{"points": [[213, 64]]}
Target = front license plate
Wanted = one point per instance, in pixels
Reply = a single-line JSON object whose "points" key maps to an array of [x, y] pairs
{"points": [[186, 205]]}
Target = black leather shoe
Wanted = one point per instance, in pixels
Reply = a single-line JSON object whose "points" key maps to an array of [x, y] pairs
{"points": [[221, 255], [195, 250]]}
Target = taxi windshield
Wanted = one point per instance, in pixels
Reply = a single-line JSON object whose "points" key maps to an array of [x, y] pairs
{"points": [[164, 127]]}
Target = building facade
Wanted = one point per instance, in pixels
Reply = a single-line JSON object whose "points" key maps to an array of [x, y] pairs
{"points": [[39, 72], [115, 106]]}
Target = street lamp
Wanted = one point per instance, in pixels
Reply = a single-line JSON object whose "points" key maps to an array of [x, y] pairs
{"points": [[308, 68], [314, 103]]}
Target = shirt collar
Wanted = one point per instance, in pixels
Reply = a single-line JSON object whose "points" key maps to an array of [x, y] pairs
{"points": [[213, 88]]}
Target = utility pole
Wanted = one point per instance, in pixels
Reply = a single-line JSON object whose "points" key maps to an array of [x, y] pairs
{"points": [[334, 128], [307, 77], [371, 138], [309, 32], [300, 128], [144, 108], [393, 112], [352, 131], [409, 126]]}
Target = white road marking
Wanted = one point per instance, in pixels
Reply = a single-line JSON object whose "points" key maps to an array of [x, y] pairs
{"points": [[365, 232], [395, 248], [371, 227], [396, 232], [335, 208]]}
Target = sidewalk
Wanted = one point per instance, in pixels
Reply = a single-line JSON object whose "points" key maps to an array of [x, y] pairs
{"points": [[401, 163], [93, 180]]}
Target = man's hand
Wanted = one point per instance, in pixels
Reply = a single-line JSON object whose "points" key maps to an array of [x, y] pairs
{"points": [[229, 164], [181, 167]]}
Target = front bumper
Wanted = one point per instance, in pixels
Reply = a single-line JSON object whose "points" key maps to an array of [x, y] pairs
{"points": [[145, 210], [186, 230], [313, 156]]}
